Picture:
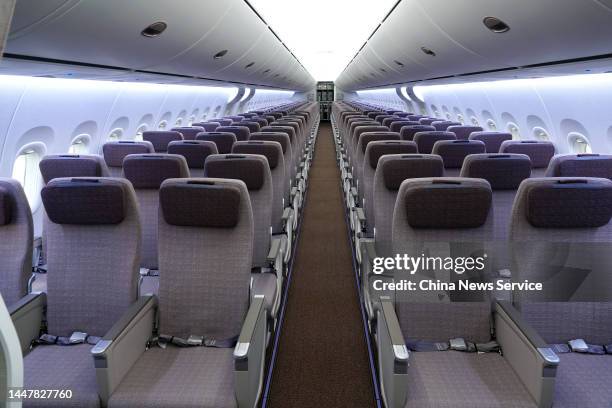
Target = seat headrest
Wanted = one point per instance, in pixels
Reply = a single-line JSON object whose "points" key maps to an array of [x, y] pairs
{"points": [[408, 132], [581, 165], [408, 166], [448, 203], [188, 132], [161, 138], [279, 137], [248, 168], [115, 152], [539, 152], [271, 150], [428, 121], [444, 124], [223, 140], [207, 126], [502, 171], [200, 203], [221, 121], [569, 203], [235, 118], [376, 149], [453, 152], [148, 171], [366, 137], [67, 165], [426, 140], [241, 132], [463, 131], [396, 125], [194, 151], [5, 207], [82, 201], [253, 126]]}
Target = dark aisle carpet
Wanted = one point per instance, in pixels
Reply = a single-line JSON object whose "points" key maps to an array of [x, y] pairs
{"points": [[322, 357]]}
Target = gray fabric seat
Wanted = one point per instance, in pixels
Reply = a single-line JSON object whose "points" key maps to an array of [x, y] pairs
{"points": [[223, 140], [539, 152], [426, 140], [443, 125], [146, 172], [16, 235], [76, 365], [195, 153], [463, 132], [580, 165], [207, 126], [492, 140], [454, 152], [161, 138], [408, 132], [285, 143], [397, 124], [188, 132], [364, 139], [464, 380], [583, 381], [241, 132], [115, 152], [203, 377]]}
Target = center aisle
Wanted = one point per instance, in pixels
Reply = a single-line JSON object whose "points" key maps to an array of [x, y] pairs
{"points": [[322, 358]]}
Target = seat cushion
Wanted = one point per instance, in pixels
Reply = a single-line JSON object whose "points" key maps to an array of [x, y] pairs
{"points": [[179, 377], [453, 379], [583, 381], [62, 368]]}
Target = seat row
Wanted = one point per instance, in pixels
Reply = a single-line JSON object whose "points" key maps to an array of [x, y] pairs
{"points": [[208, 235], [555, 230]]}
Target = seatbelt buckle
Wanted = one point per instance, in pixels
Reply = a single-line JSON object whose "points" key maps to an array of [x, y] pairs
{"points": [[596, 349], [194, 340], [458, 344], [608, 348], [578, 346], [77, 338], [47, 339], [210, 342], [560, 348]]}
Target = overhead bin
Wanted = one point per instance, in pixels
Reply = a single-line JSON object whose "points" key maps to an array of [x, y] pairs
{"points": [[435, 38], [219, 40]]}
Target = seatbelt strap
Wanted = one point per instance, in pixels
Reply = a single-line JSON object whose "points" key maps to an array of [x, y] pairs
{"points": [[195, 341], [581, 346], [456, 344], [75, 338]]}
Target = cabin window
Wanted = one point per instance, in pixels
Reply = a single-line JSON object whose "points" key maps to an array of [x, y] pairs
{"points": [[178, 122], [162, 125], [192, 119], [115, 134], [205, 113], [541, 134], [514, 130], [491, 125], [474, 121], [140, 130], [26, 171], [460, 118], [449, 116], [80, 145], [435, 111], [579, 143]]}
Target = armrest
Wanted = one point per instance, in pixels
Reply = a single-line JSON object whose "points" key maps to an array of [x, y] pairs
{"points": [[393, 356], [287, 212], [274, 252], [249, 355], [528, 354], [27, 316], [123, 345]]}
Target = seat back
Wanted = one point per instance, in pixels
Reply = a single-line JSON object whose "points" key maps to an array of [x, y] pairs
{"points": [[285, 142], [438, 217], [115, 152], [259, 120], [296, 149], [428, 121], [426, 140], [502, 171], [205, 247], [454, 152], [254, 171], [387, 121], [189, 132], [223, 140], [374, 151], [539, 152], [356, 135], [236, 118], [273, 152], [72, 165], [221, 121], [443, 125], [241, 132], [195, 153], [389, 174], [207, 126], [363, 139], [396, 125], [16, 235], [253, 126], [408, 132], [463, 132], [93, 253], [381, 118], [492, 140], [146, 172], [161, 138], [580, 165]]}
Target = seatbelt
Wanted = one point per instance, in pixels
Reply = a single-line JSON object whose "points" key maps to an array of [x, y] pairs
{"points": [[75, 338], [581, 346], [194, 341], [456, 344]]}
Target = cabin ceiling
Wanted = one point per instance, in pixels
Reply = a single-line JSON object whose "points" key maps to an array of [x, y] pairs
{"points": [[204, 42]]}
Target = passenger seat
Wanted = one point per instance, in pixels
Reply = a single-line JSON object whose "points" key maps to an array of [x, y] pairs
{"points": [[195, 153], [161, 138], [115, 152]]}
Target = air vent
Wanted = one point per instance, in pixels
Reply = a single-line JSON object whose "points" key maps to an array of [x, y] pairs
{"points": [[249, 65], [220, 54], [154, 29], [383, 70], [266, 71], [496, 25], [400, 64], [428, 51]]}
